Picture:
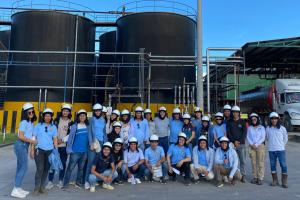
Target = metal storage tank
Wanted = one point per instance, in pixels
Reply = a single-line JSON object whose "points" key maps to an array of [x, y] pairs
{"points": [[160, 33], [50, 31]]}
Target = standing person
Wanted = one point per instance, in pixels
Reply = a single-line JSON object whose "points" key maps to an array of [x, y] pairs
{"points": [[227, 113], [62, 123], [226, 163], [236, 133], [197, 121], [116, 132], [151, 124], [162, 127], [256, 136], [219, 129], [207, 131], [179, 159], [155, 160], [203, 160], [25, 139], [104, 113], [79, 142], [134, 162], [277, 139], [118, 156], [45, 133], [111, 119], [125, 129], [139, 128], [189, 130], [175, 125], [103, 168]]}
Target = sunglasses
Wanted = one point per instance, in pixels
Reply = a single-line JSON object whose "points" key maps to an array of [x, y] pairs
{"points": [[218, 119], [46, 129], [30, 112], [118, 145], [138, 125]]}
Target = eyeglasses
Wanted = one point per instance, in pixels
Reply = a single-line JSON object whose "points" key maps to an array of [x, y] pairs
{"points": [[118, 145], [46, 129]]}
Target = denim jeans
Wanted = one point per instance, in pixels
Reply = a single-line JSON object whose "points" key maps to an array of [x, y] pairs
{"points": [[78, 159], [242, 154], [21, 151], [93, 178], [164, 170], [164, 143], [63, 157], [90, 158], [281, 158], [139, 173], [42, 167]]}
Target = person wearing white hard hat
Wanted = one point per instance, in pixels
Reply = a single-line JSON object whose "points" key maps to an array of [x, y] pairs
{"points": [[125, 129], [226, 163], [104, 113], [277, 139], [189, 129], [116, 132], [45, 133], [256, 136], [79, 142], [236, 132], [207, 131], [219, 129], [118, 156], [176, 125], [111, 119], [103, 168], [227, 113], [203, 160], [197, 121], [179, 159], [21, 146], [133, 162], [156, 168], [148, 117], [162, 128], [139, 128]]}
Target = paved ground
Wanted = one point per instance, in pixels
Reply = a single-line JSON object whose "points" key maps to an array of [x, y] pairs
{"points": [[172, 191]]}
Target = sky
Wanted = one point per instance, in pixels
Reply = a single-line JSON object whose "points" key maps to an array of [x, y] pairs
{"points": [[228, 23]]}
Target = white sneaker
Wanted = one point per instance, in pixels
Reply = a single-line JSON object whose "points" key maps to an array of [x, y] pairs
{"points": [[129, 180], [92, 189], [87, 185], [225, 179], [60, 184], [49, 185], [17, 194], [107, 186], [138, 181], [23, 191]]}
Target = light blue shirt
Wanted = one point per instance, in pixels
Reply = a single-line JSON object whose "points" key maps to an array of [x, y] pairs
{"points": [[175, 129], [202, 158], [219, 130], [27, 127], [198, 126], [178, 153], [154, 155], [277, 138], [44, 136], [98, 128], [133, 157], [139, 130]]}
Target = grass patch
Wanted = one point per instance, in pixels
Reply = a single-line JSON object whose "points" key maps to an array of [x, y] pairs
{"points": [[9, 138]]}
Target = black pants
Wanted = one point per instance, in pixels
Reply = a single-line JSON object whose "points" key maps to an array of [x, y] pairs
{"points": [[42, 167], [185, 167]]}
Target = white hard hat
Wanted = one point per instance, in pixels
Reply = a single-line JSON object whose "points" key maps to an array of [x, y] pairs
{"points": [[27, 106], [117, 124], [66, 106], [186, 116], [125, 112], [104, 109], [81, 111], [162, 109], [274, 115], [253, 115], [197, 109], [146, 111], [138, 109], [133, 140], [235, 109], [48, 110], [97, 106], [176, 111], [227, 107], [219, 114], [182, 135], [224, 139], [153, 138], [118, 140], [205, 118], [107, 144], [116, 112], [202, 137]]}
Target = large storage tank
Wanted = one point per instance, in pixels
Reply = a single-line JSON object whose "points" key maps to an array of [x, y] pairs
{"points": [[160, 33], [50, 31]]}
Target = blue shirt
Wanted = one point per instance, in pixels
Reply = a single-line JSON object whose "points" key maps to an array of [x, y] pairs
{"points": [[202, 158], [198, 126], [44, 136], [178, 153], [153, 156], [133, 157], [81, 141], [175, 129], [98, 128], [219, 130], [139, 130], [27, 127]]}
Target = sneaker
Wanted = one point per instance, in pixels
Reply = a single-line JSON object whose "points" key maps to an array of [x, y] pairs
{"points": [[107, 186], [243, 180], [43, 191], [220, 184], [129, 180], [92, 189], [17, 194], [138, 181], [23, 191], [87, 185], [163, 181], [49, 185], [60, 184], [225, 179], [120, 182], [259, 182], [254, 181]]}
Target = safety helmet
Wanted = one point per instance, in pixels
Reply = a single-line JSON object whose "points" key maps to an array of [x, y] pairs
{"points": [[162, 109], [81, 111], [147, 111], [116, 112], [202, 137], [104, 109], [205, 118], [183, 135], [253, 115], [125, 112], [235, 109], [186, 116], [107, 144], [118, 140], [274, 115], [227, 107], [27, 106], [153, 138], [224, 139], [176, 111], [117, 124], [132, 140], [48, 111], [197, 109], [97, 106], [138, 109], [219, 114]]}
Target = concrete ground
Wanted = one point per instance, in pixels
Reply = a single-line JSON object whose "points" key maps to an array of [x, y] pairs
{"points": [[172, 191]]}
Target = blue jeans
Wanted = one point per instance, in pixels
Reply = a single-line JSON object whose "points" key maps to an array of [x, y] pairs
{"points": [[78, 159], [164, 170], [281, 158], [21, 151], [90, 158], [139, 173], [93, 178], [63, 157], [164, 143]]}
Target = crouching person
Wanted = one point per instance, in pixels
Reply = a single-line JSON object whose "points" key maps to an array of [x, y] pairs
{"points": [[103, 168], [203, 160], [155, 158], [226, 163], [118, 156]]}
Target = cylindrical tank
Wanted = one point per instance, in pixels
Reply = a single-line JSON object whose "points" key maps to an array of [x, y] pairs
{"points": [[166, 34], [50, 31]]}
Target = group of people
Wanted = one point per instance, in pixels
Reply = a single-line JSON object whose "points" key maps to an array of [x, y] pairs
{"points": [[113, 146]]}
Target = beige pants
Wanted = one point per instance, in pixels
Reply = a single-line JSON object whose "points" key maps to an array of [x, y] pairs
{"points": [[201, 170], [257, 158], [221, 171]]}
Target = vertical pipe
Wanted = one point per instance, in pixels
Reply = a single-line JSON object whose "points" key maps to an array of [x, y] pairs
{"points": [[183, 94], [188, 96], [40, 99], [234, 75], [75, 59], [207, 81], [109, 100], [149, 85], [199, 56], [179, 96], [175, 95], [45, 98], [193, 96]]}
